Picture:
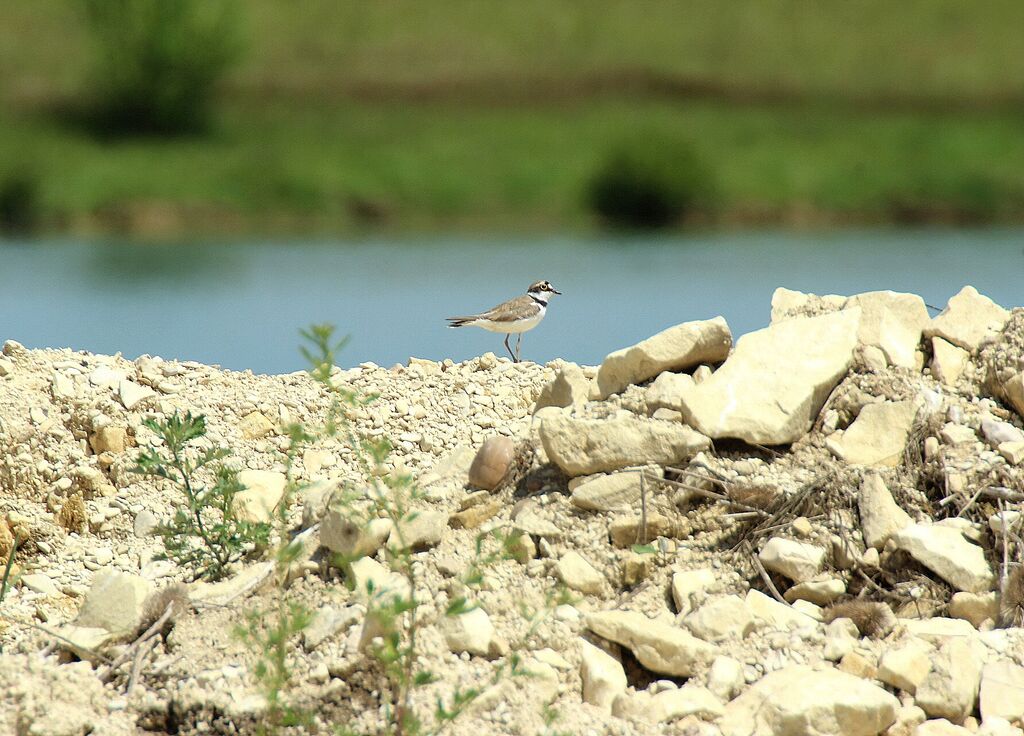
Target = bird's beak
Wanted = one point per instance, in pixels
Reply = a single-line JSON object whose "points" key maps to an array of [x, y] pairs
{"points": [[555, 291]]}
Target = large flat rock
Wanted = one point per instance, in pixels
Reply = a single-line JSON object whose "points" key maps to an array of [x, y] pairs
{"points": [[801, 701], [585, 446], [945, 551], [677, 348], [772, 387], [659, 647], [969, 320]]}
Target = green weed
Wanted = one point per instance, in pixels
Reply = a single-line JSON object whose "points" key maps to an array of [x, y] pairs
{"points": [[204, 536]]}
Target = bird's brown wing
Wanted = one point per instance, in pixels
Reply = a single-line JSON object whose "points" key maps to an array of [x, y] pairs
{"points": [[522, 307]]}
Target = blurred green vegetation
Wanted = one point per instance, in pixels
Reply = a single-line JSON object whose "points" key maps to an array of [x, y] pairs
{"points": [[481, 114]]}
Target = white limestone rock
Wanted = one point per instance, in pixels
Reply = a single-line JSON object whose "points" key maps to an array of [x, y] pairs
{"points": [[773, 614], [878, 436], [906, 666], [690, 584], [948, 361], [420, 530], [667, 390], [263, 491], [677, 348], [468, 632], [570, 387], [579, 574], [975, 607], [668, 705], [946, 552], [892, 322], [602, 675], [798, 561], [799, 700], [941, 727], [1002, 691], [950, 688], [969, 320], [770, 390], [725, 678], [115, 602], [659, 647], [586, 446], [880, 515], [819, 592], [608, 492], [720, 618]]}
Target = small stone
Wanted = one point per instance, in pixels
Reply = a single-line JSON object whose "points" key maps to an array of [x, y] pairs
{"points": [[666, 391], [263, 492], [326, 622], [586, 446], [470, 632], [689, 585], [419, 530], [797, 561], [40, 583], [802, 526], [132, 394], [855, 664], [255, 425], [1012, 452], [145, 523], [570, 387], [108, 439], [1004, 521], [625, 530], [725, 677], [906, 667], [975, 607], [941, 727], [475, 516], [818, 592], [636, 568], [721, 618], [948, 361], [492, 463], [880, 515], [602, 675], [609, 492], [579, 574], [114, 602]]}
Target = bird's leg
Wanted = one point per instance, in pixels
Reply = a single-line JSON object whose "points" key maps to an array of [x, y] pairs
{"points": [[509, 349], [519, 344]]}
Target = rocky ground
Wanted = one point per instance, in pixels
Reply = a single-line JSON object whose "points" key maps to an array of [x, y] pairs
{"points": [[815, 530]]}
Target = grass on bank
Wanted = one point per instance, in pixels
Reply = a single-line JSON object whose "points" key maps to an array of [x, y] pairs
{"points": [[278, 167]]}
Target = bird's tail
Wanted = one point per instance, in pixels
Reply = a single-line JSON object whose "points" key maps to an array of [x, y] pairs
{"points": [[460, 321]]}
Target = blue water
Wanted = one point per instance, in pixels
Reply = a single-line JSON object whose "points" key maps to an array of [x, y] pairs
{"points": [[241, 304]]}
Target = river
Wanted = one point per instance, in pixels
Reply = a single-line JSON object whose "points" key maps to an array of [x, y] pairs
{"points": [[240, 304]]}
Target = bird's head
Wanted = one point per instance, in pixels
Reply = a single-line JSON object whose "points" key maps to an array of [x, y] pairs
{"points": [[542, 287]]}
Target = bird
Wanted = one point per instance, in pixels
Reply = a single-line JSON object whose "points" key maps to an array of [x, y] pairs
{"points": [[515, 316]]}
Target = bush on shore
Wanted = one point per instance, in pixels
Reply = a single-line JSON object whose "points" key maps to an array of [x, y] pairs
{"points": [[650, 182], [156, 63]]}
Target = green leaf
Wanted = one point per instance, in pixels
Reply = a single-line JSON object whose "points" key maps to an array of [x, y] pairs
{"points": [[644, 549]]}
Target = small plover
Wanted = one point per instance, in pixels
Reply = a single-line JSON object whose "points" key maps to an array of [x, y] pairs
{"points": [[513, 317]]}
